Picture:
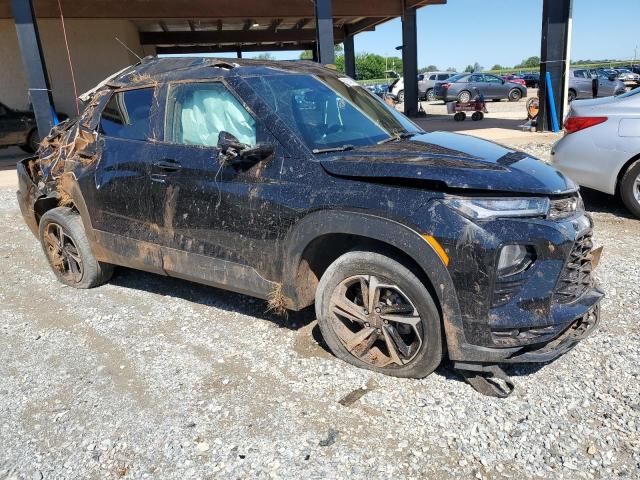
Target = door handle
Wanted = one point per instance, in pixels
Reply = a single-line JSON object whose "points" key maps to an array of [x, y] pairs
{"points": [[167, 166]]}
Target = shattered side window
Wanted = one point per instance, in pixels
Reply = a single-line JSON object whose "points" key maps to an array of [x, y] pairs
{"points": [[198, 112], [127, 115]]}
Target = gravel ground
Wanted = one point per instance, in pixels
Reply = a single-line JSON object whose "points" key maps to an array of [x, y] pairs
{"points": [[149, 377]]}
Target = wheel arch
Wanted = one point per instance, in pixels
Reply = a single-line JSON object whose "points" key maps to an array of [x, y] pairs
{"points": [[623, 170], [321, 237]]}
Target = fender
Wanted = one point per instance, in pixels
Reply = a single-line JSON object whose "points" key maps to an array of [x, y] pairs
{"points": [[384, 230]]}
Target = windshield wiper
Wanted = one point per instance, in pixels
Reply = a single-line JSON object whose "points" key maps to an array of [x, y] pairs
{"points": [[343, 148], [397, 136]]}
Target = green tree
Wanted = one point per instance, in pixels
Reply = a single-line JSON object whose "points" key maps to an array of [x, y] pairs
{"points": [[265, 56], [497, 66], [452, 69], [469, 69], [530, 62], [430, 68]]}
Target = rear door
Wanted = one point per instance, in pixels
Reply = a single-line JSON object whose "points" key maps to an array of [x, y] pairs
{"points": [[582, 82], [122, 198]]}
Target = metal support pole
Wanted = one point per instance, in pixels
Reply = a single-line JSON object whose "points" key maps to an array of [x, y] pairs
{"points": [[410, 61], [349, 56], [554, 57], [34, 65], [239, 53], [324, 32]]}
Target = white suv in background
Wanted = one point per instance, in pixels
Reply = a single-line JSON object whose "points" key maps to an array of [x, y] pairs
{"points": [[426, 82]]}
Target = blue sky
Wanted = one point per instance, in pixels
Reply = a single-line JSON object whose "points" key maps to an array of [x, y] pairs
{"points": [[505, 31]]}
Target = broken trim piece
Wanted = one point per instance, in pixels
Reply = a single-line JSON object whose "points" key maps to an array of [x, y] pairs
{"points": [[489, 380]]}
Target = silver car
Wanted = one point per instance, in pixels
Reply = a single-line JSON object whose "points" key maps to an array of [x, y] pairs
{"points": [[427, 81], [581, 85], [601, 146]]}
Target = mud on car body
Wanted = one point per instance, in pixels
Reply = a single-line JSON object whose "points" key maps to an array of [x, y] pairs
{"points": [[288, 182]]}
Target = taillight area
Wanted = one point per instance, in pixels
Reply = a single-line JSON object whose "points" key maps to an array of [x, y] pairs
{"points": [[445, 85], [575, 124]]}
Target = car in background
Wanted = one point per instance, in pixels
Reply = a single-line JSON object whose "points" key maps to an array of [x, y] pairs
{"points": [[18, 128], [514, 79], [427, 82], [531, 80], [581, 84], [601, 146], [463, 87], [630, 79]]}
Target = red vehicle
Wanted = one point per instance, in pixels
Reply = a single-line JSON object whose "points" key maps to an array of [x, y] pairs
{"points": [[514, 79]]}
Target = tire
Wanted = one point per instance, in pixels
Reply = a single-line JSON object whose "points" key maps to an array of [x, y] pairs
{"points": [[460, 117], [407, 299], [33, 142], [630, 188], [400, 96], [477, 116], [515, 95], [464, 96], [431, 95], [72, 261], [572, 96]]}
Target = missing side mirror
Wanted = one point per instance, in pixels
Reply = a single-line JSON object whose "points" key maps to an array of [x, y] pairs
{"points": [[240, 155]]}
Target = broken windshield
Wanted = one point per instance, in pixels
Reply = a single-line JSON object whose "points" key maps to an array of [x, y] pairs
{"points": [[330, 112]]}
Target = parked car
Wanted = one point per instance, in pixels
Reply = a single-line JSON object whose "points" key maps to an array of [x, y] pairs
{"points": [[581, 84], [514, 79], [630, 79], [290, 182], [531, 80], [601, 146], [427, 81], [378, 89], [462, 87], [18, 128]]}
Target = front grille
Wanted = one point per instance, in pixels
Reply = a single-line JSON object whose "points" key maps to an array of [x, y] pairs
{"points": [[575, 278]]}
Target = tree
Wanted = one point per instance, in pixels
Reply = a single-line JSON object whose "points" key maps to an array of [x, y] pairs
{"points": [[477, 67], [530, 62], [497, 66], [430, 68], [308, 54], [265, 56], [469, 69], [452, 69]]}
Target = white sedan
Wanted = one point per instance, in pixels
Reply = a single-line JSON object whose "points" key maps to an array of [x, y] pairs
{"points": [[601, 146]]}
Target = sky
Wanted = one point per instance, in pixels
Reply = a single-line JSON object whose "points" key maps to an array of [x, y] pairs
{"points": [[504, 32]]}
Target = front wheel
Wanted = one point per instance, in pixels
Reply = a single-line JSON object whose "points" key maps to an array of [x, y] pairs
{"points": [[464, 96], [67, 248], [515, 95], [374, 313], [630, 188]]}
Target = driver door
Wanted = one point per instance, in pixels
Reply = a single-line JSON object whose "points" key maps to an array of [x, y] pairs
{"points": [[216, 227]]}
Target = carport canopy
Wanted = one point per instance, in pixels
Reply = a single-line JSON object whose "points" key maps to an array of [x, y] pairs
{"points": [[204, 26]]}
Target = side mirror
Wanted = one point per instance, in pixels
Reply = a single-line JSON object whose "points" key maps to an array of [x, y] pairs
{"points": [[240, 155]]}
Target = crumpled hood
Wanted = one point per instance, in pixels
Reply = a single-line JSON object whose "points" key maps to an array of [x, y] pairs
{"points": [[457, 161]]}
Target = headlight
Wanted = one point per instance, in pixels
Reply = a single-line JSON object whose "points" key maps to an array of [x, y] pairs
{"points": [[485, 208]]}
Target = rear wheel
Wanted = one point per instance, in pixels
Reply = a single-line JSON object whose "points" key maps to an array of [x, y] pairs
{"points": [[515, 95], [431, 95], [464, 96], [33, 142], [572, 95], [67, 248], [401, 96], [630, 188], [374, 313]]}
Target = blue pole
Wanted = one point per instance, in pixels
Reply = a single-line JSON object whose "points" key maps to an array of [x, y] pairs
{"points": [[552, 104]]}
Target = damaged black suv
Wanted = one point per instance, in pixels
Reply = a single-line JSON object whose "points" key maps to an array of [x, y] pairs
{"points": [[290, 182]]}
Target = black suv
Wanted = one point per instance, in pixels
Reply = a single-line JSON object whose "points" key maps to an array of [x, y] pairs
{"points": [[18, 128], [290, 182]]}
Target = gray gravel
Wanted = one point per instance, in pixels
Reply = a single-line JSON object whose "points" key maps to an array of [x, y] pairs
{"points": [[149, 377]]}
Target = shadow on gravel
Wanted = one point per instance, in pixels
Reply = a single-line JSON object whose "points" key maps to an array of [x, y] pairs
{"points": [[599, 202], [209, 296], [447, 371]]}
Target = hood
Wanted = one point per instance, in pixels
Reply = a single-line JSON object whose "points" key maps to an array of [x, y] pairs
{"points": [[454, 161]]}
